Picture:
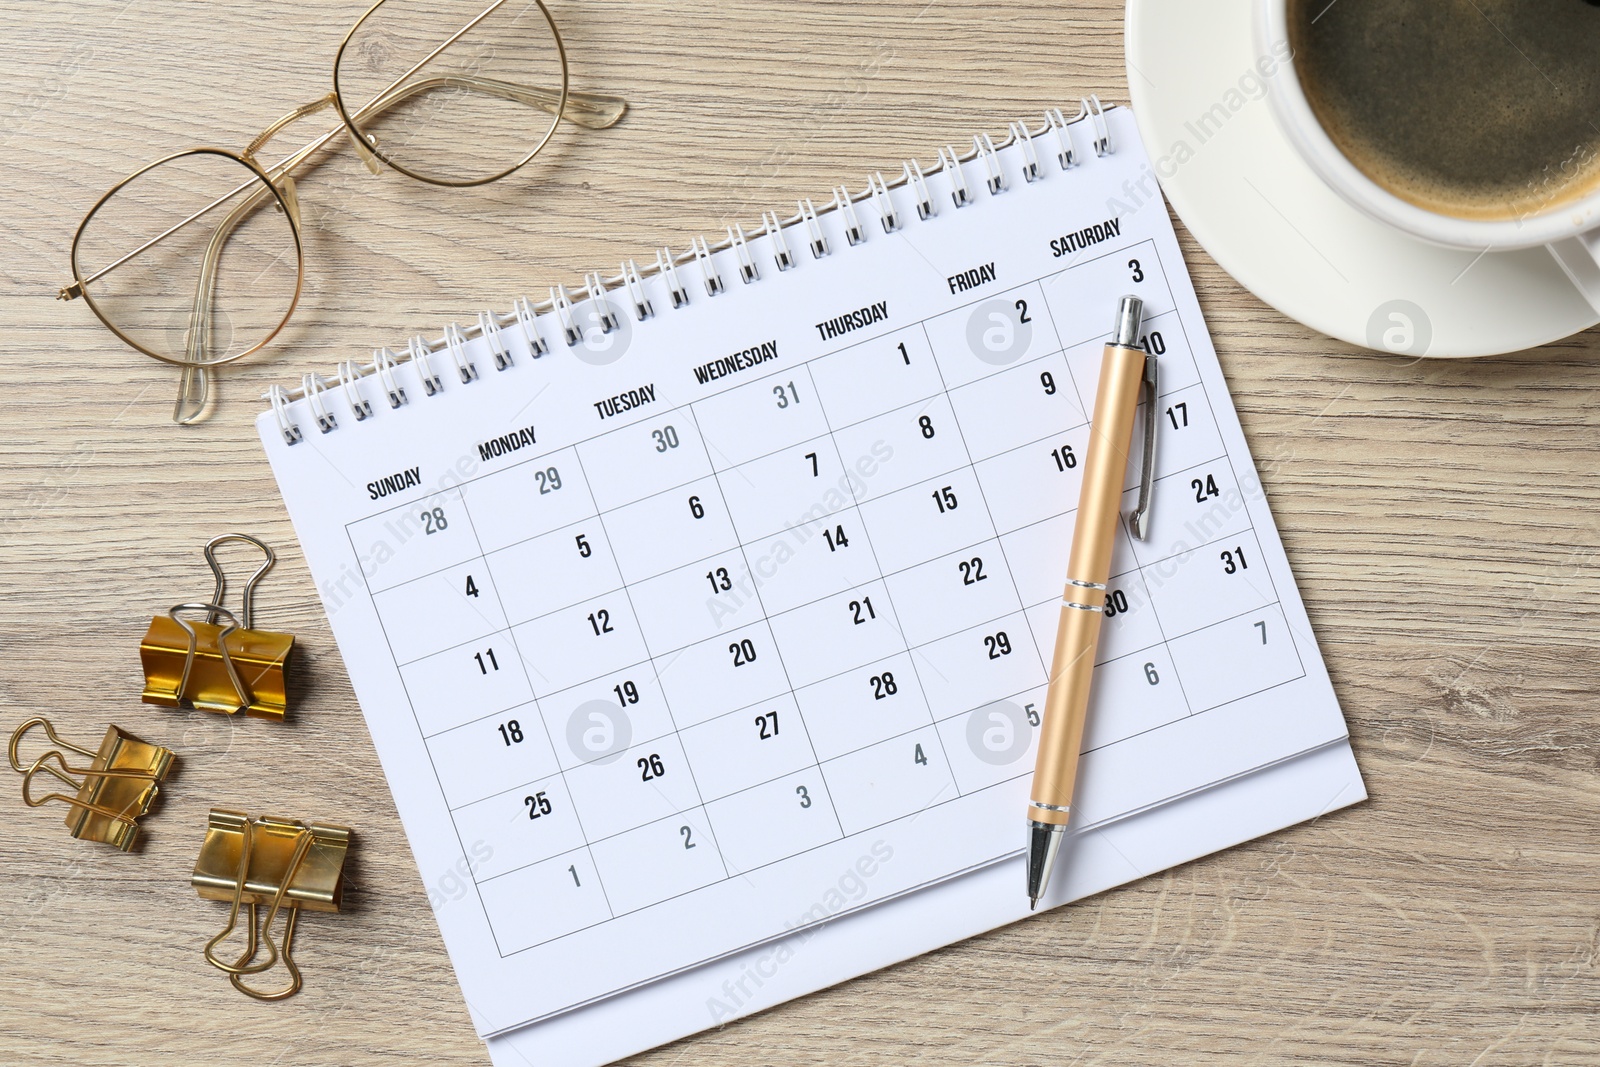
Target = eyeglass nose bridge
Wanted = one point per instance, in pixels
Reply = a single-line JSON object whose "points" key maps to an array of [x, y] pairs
{"points": [[371, 161]]}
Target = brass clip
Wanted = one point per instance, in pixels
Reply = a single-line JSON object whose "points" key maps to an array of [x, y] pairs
{"points": [[226, 669], [1149, 386], [276, 862], [115, 789]]}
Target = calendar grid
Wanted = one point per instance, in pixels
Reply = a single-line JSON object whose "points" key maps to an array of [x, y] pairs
{"points": [[1024, 770], [788, 681], [652, 522], [983, 496], [751, 788], [920, 404], [522, 663], [666, 702], [1233, 469], [438, 779], [1085, 402], [617, 589], [931, 806], [943, 399], [985, 621], [1207, 711], [1079, 263], [922, 690]]}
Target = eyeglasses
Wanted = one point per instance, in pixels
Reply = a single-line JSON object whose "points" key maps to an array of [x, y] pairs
{"points": [[198, 259]]}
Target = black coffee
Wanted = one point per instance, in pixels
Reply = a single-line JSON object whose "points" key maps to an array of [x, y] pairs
{"points": [[1480, 109]]}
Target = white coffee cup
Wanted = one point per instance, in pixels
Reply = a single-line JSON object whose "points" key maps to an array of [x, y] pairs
{"points": [[1571, 230]]}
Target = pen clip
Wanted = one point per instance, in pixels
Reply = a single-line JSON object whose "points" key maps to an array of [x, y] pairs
{"points": [[1139, 517]]}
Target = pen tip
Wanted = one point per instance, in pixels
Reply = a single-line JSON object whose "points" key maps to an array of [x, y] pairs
{"points": [[1033, 902]]}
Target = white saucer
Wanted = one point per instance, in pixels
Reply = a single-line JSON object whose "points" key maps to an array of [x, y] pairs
{"points": [[1262, 213]]}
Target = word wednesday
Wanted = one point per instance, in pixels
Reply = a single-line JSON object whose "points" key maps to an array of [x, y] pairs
{"points": [[744, 359], [853, 320]]}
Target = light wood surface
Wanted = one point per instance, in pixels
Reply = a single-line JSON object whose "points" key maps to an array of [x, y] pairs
{"points": [[1441, 517]]}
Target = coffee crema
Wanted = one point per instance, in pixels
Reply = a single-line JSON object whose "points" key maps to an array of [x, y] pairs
{"points": [[1478, 109]]}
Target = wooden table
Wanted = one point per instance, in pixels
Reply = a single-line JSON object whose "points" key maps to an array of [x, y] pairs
{"points": [[1441, 517]]}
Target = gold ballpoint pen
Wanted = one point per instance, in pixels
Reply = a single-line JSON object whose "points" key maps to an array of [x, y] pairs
{"points": [[1125, 371]]}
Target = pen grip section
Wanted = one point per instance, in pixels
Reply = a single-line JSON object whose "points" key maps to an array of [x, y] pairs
{"points": [[1065, 711]]}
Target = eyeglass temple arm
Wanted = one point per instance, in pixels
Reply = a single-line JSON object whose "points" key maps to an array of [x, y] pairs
{"points": [[194, 383], [595, 111]]}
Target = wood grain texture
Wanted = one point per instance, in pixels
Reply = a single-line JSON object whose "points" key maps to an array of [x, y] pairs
{"points": [[1441, 517]]}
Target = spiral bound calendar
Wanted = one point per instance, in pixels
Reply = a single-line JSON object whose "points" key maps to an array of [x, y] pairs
{"points": [[706, 609]]}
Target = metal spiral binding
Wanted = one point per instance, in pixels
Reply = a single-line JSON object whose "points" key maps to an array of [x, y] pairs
{"points": [[882, 201], [667, 268], [1030, 164], [819, 242], [950, 163], [561, 304], [847, 211], [529, 315], [524, 313], [708, 268], [772, 226], [419, 352], [313, 386], [919, 185], [457, 345], [594, 288], [489, 330], [279, 397], [383, 365], [741, 249], [991, 163], [635, 285], [349, 379]]}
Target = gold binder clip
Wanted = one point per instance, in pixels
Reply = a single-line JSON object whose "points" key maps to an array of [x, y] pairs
{"points": [[277, 862], [226, 669], [115, 789]]}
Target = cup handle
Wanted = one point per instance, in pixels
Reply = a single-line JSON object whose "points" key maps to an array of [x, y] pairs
{"points": [[1580, 258]]}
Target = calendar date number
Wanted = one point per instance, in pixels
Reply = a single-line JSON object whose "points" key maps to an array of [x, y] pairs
{"points": [[548, 480], [650, 767]]}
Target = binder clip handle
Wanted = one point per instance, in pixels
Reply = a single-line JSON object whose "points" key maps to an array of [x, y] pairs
{"points": [[243, 965], [247, 610], [124, 774], [122, 818], [288, 961], [213, 612], [260, 931], [50, 732]]}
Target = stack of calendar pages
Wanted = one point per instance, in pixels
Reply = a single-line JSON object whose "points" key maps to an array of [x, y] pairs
{"points": [[702, 616]]}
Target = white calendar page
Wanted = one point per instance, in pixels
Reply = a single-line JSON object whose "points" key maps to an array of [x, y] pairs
{"points": [[661, 634]]}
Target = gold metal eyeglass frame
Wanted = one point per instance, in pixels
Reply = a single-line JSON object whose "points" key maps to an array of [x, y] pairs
{"points": [[590, 110]]}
